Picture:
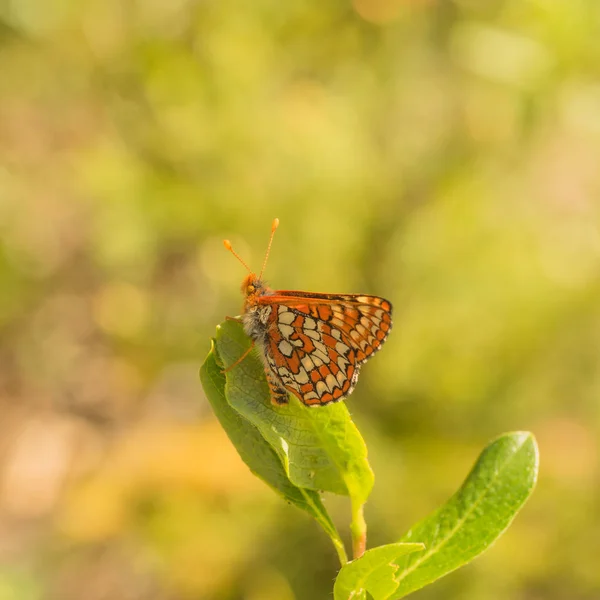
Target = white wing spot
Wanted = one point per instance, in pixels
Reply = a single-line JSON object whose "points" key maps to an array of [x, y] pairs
{"points": [[285, 348], [310, 323], [355, 335], [302, 377], [331, 382], [362, 329], [321, 388], [316, 359], [286, 316], [341, 348], [283, 371], [286, 330], [307, 363], [321, 352], [370, 323]]}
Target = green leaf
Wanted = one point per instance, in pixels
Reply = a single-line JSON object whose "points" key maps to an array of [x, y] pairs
{"points": [[372, 575], [258, 454], [320, 447], [499, 484]]}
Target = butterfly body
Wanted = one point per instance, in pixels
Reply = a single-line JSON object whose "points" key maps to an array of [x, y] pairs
{"points": [[312, 345], [255, 315]]}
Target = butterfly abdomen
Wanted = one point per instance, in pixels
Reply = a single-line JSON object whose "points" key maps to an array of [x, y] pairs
{"points": [[255, 320]]}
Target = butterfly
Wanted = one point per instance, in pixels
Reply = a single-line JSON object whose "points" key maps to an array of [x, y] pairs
{"points": [[311, 345]]}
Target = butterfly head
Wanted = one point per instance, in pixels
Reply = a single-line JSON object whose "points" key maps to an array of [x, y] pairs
{"points": [[252, 286]]}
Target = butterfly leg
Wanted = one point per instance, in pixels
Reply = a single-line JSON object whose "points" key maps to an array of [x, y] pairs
{"points": [[239, 360], [279, 395]]}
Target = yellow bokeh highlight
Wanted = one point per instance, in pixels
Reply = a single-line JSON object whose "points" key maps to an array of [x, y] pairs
{"points": [[121, 309]]}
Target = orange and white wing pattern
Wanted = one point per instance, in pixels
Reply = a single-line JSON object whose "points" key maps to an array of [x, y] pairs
{"points": [[316, 343], [312, 345]]}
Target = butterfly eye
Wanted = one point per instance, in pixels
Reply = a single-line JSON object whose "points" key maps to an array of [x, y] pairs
{"points": [[250, 289]]}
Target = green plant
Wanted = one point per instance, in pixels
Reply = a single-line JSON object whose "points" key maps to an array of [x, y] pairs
{"points": [[301, 452]]}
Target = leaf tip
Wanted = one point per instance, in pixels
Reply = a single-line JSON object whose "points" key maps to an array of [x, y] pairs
{"points": [[519, 438]]}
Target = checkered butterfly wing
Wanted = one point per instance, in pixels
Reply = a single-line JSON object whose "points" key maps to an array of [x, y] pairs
{"points": [[316, 343]]}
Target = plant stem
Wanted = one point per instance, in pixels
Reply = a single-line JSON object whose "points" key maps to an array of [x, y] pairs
{"points": [[329, 528], [340, 549], [358, 528]]}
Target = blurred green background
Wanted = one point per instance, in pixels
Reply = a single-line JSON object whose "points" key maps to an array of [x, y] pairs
{"points": [[442, 154]]}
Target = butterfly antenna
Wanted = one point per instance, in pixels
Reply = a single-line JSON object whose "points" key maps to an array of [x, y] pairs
{"points": [[274, 226], [227, 245]]}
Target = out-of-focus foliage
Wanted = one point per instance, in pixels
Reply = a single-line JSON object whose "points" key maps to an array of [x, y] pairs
{"points": [[442, 154]]}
